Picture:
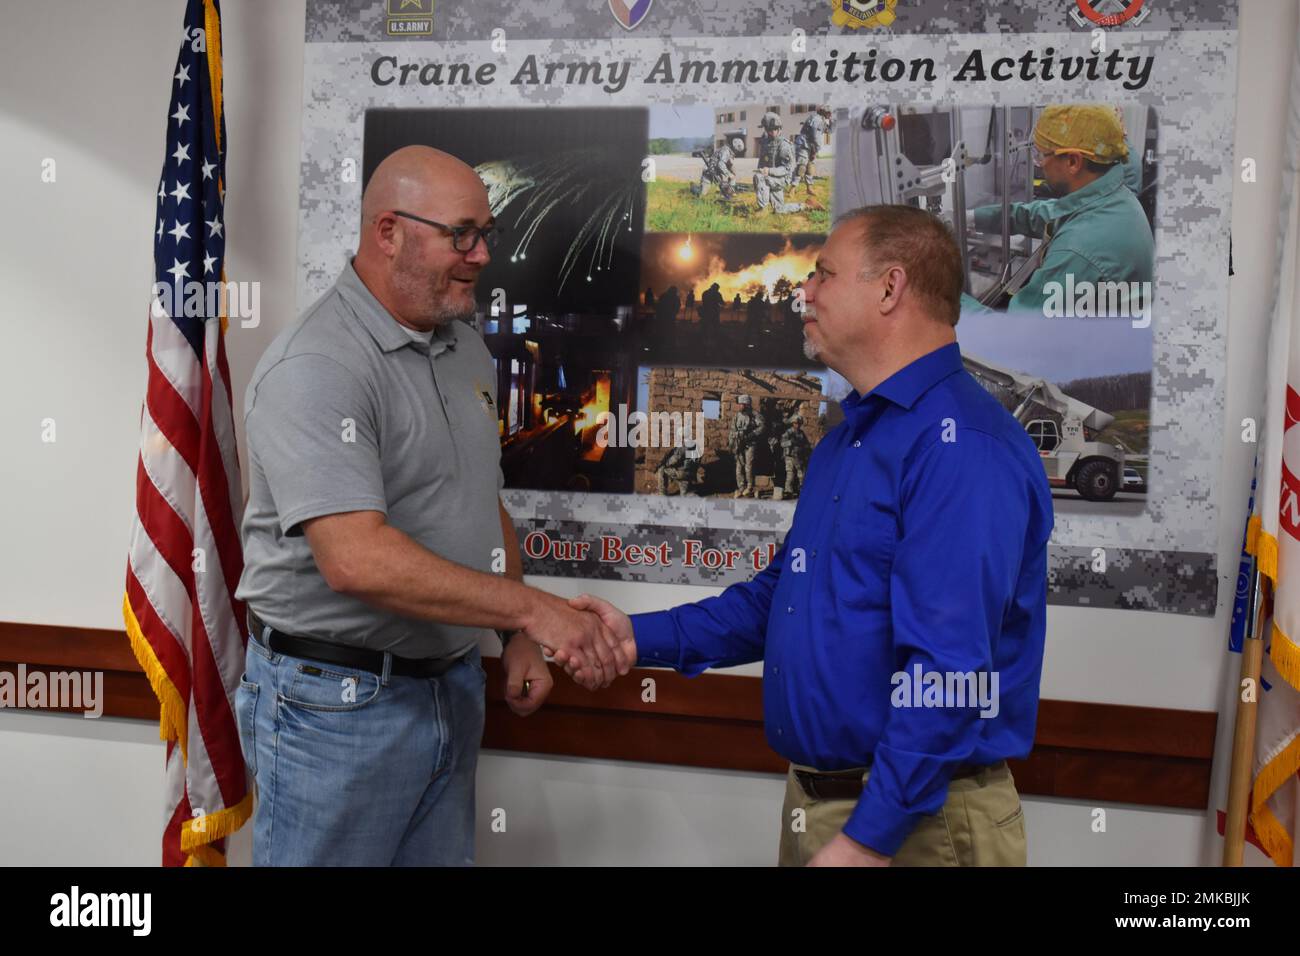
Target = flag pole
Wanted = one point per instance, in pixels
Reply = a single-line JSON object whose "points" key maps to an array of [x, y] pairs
{"points": [[1243, 740]]}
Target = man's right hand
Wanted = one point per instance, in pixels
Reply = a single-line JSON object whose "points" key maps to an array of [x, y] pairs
{"points": [[617, 623], [579, 642]]}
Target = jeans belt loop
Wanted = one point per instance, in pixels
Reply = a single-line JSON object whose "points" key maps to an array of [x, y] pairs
{"points": [[388, 666]]}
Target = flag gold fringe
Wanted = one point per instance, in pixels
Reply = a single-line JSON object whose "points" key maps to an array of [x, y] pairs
{"points": [[212, 30], [212, 37], [1283, 652], [172, 722], [1285, 655], [206, 856], [197, 832], [1263, 546], [1272, 835]]}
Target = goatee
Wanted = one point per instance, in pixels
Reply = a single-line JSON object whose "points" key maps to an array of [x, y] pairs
{"points": [[809, 348]]}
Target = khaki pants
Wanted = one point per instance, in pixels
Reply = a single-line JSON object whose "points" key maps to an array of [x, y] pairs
{"points": [[980, 824]]}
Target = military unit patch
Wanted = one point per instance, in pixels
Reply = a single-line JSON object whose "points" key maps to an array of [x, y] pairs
{"points": [[862, 13]]}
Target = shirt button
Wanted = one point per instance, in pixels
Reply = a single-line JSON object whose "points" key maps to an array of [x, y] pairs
{"points": [[814, 554], [789, 610], [836, 498], [776, 670], [857, 444], [779, 731]]}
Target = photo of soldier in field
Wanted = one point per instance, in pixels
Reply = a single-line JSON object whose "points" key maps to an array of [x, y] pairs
{"points": [[753, 167]]}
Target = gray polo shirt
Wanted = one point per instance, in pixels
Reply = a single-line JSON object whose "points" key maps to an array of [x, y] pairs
{"points": [[350, 411]]}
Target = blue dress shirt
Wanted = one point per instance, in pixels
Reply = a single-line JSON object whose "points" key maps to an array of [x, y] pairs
{"points": [[919, 542]]}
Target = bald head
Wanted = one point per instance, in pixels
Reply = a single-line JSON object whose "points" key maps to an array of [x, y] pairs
{"points": [[411, 266], [410, 177]]}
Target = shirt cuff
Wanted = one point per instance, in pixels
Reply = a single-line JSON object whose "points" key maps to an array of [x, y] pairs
{"points": [[878, 825], [656, 639]]}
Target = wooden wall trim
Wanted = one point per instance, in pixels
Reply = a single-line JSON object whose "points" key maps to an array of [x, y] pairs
{"points": [[1082, 750]]}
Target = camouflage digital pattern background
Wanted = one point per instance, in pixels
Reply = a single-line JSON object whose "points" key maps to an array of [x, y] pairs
{"points": [[1163, 559], [359, 21]]}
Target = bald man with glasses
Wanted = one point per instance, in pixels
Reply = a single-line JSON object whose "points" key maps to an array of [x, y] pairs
{"points": [[372, 532]]}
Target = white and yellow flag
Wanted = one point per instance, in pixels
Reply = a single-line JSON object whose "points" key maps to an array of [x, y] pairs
{"points": [[1274, 533]]}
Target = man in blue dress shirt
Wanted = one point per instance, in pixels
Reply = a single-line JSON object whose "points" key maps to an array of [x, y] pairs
{"points": [[901, 623]]}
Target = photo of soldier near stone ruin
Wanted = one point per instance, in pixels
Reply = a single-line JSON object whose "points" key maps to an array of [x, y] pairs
{"points": [[730, 299], [743, 167], [759, 429]]}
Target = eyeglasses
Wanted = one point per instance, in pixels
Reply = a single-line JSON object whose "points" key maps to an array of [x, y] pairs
{"points": [[463, 238], [1039, 155]]}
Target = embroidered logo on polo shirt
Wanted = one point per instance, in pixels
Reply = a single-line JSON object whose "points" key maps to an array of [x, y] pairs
{"points": [[484, 395]]}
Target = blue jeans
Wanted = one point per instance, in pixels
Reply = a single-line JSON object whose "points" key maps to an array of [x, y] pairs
{"points": [[357, 769]]}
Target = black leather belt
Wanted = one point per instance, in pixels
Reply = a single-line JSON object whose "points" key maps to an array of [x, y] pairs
{"points": [[353, 657], [847, 784]]}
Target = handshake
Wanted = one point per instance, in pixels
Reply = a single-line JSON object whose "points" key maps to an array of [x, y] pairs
{"points": [[588, 637]]}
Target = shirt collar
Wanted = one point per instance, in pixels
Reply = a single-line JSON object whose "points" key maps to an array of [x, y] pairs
{"points": [[381, 325], [913, 380]]}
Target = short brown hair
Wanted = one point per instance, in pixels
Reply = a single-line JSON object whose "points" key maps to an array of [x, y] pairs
{"points": [[919, 242]]}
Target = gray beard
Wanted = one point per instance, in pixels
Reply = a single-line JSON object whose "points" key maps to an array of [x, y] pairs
{"points": [[432, 308], [809, 349], [444, 314], [417, 289]]}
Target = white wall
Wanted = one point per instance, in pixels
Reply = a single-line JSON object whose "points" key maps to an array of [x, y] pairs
{"points": [[87, 84]]}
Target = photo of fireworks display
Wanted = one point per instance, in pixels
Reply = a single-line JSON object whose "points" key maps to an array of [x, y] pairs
{"points": [[564, 185]]}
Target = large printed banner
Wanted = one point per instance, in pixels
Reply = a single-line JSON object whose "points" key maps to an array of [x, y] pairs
{"points": [[666, 172]]}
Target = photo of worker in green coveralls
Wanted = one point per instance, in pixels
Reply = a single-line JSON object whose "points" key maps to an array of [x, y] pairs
{"points": [[1094, 229], [1052, 206]]}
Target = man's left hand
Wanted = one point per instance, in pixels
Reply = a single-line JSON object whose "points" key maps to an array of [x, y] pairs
{"points": [[523, 661], [845, 851]]}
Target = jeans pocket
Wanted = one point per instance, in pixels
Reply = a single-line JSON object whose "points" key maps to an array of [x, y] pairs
{"points": [[328, 688], [245, 718]]}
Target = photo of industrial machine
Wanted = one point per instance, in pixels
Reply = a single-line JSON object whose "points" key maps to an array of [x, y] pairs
{"points": [[1066, 442], [953, 160]]}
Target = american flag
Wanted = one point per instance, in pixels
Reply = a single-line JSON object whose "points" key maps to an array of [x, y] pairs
{"points": [[185, 561]]}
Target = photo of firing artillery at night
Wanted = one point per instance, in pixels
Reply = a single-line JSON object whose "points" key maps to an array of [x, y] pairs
{"points": [[726, 299]]}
